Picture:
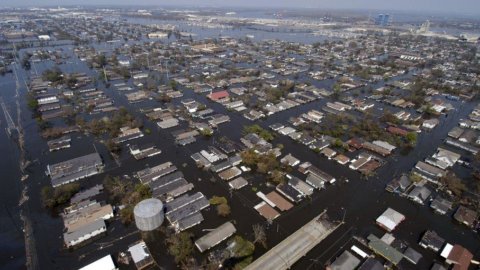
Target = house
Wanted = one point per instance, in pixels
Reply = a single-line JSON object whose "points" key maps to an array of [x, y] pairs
{"points": [[385, 250], [419, 194], [390, 219], [104, 263], [458, 256], [238, 183], [465, 216], [412, 255], [315, 181], [302, 187], [376, 148], [359, 162], [371, 264], [342, 159], [456, 132], [215, 236], [430, 123], [431, 240], [84, 233], [219, 96], [429, 169], [397, 131], [328, 152], [141, 255], [441, 205], [399, 185], [468, 136], [290, 160], [345, 261]]}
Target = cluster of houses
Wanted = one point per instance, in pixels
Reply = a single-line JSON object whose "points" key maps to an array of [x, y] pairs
{"points": [[166, 183], [85, 218], [363, 254]]}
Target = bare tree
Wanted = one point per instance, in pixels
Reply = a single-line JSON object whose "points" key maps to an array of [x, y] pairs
{"points": [[259, 235]]}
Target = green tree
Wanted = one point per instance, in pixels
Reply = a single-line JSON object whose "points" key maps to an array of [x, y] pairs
{"points": [[411, 137], [180, 246]]}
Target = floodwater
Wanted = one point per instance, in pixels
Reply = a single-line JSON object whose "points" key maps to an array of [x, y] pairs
{"points": [[358, 201]]}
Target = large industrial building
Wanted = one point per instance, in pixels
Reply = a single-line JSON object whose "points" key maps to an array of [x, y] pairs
{"points": [[148, 214]]}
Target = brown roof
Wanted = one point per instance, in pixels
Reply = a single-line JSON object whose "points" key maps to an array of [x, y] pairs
{"points": [[355, 143], [461, 257], [279, 201], [267, 211], [465, 215], [218, 95], [397, 131]]}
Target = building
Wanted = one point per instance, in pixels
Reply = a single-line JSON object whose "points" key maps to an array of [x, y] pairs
{"points": [[75, 169], [84, 233], [399, 185], [382, 19], [219, 96], [371, 264], [431, 240], [346, 261], [141, 255], [385, 250], [412, 255], [419, 194], [465, 216], [238, 183], [441, 205], [75, 220], [148, 214], [216, 236], [457, 256], [105, 263], [267, 211], [390, 219]]}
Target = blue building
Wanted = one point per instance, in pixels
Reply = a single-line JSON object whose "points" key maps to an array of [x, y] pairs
{"points": [[382, 19]]}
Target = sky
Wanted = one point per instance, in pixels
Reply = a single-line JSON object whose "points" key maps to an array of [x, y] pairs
{"points": [[468, 7]]}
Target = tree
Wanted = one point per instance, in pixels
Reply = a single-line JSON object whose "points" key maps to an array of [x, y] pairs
{"points": [[52, 197], [126, 215], [455, 184], [223, 210], [277, 177], [180, 246], [216, 200], [242, 249], [259, 235], [207, 132], [264, 134], [411, 137]]}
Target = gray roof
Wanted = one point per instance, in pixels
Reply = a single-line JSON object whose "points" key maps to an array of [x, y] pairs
{"points": [[371, 264], [441, 204], [412, 255], [437, 266], [386, 251], [74, 169], [84, 230], [420, 192], [216, 236], [346, 261], [148, 208]]}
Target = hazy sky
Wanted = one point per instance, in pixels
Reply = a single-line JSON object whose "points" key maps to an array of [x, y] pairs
{"points": [[445, 6]]}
